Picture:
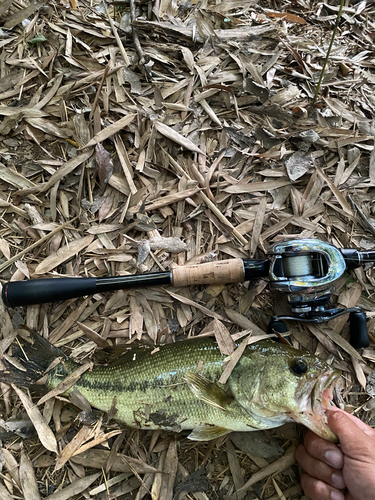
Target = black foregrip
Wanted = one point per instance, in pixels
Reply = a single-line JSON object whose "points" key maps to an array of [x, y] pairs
{"points": [[24, 293]]}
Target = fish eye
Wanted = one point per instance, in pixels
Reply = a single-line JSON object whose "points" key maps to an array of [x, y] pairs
{"points": [[299, 367]]}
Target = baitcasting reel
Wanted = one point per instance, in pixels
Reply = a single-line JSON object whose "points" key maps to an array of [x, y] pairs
{"points": [[306, 271]]}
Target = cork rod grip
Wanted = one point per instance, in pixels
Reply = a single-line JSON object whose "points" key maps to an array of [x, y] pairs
{"points": [[222, 271]]}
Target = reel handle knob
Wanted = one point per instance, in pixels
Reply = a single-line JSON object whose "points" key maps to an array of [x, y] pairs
{"points": [[276, 325], [358, 330]]}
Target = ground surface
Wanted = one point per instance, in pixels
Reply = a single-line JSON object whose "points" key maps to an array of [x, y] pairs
{"points": [[205, 131]]}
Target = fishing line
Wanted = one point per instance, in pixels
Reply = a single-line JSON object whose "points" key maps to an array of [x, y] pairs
{"points": [[299, 265]]}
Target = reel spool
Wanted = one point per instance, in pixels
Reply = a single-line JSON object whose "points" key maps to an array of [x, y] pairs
{"points": [[297, 265]]}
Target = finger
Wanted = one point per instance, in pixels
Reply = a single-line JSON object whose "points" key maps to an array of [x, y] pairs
{"points": [[318, 490], [366, 428], [318, 469], [353, 440], [323, 450]]}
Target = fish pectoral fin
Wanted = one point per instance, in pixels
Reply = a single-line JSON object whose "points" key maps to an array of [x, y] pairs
{"points": [[208, 432], [207, 391]]}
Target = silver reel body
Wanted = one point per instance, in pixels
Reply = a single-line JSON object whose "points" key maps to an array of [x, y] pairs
{"points": [[305, 266], [306, 271]]}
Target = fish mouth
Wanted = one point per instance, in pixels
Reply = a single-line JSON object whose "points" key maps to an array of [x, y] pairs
{"points": [[317, 402]]}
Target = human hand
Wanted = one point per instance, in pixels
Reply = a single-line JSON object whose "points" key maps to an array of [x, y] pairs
{"points": [[344, 472]]}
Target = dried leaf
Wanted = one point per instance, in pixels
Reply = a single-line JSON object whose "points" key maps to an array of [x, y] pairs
{"points": [[63, 254], [136, 319], [133, 79], [75, 488], [111, 130], [190, 302], [5, 6], [260, 91], [27, 478], [298, 164], [66, 383], [105, 166], [241, 320], [358, 368], [233, 360], [99, 439], [46, 436], [223, 338], [4, 493], [339, 196], [170, 471], [172, 198], [4, 248], [97, 458], [258, 225], [143, 252], [340, 341], [275, 468], [256, 186], [48, 127], [83, 435], [20, 15], [287, 16], [66, 169], [148, 317], [176, 137], [92, 335]]}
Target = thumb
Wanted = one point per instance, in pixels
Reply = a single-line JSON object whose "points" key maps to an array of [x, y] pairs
{"points": [[354, 442]]}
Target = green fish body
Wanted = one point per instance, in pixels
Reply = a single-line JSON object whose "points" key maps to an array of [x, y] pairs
{"points": [[175, 387]]}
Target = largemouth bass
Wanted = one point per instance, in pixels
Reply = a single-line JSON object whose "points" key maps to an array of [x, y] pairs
{"points": [[175, 386]]}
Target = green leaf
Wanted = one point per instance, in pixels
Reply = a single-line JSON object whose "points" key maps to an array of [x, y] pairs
{"points": [[38, 39]]}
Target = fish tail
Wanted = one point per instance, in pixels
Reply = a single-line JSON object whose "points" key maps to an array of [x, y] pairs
{"points": [[30, 358]]}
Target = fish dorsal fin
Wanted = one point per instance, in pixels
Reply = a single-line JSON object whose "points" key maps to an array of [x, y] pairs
{"points": [[207, 391], [208, 432]]}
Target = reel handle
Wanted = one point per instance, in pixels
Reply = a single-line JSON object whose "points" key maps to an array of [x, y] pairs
{"points": [[358, 330], [276, 325]]}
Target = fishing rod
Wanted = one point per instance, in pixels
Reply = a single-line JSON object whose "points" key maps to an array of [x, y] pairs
{"points": [[305, 270]]}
